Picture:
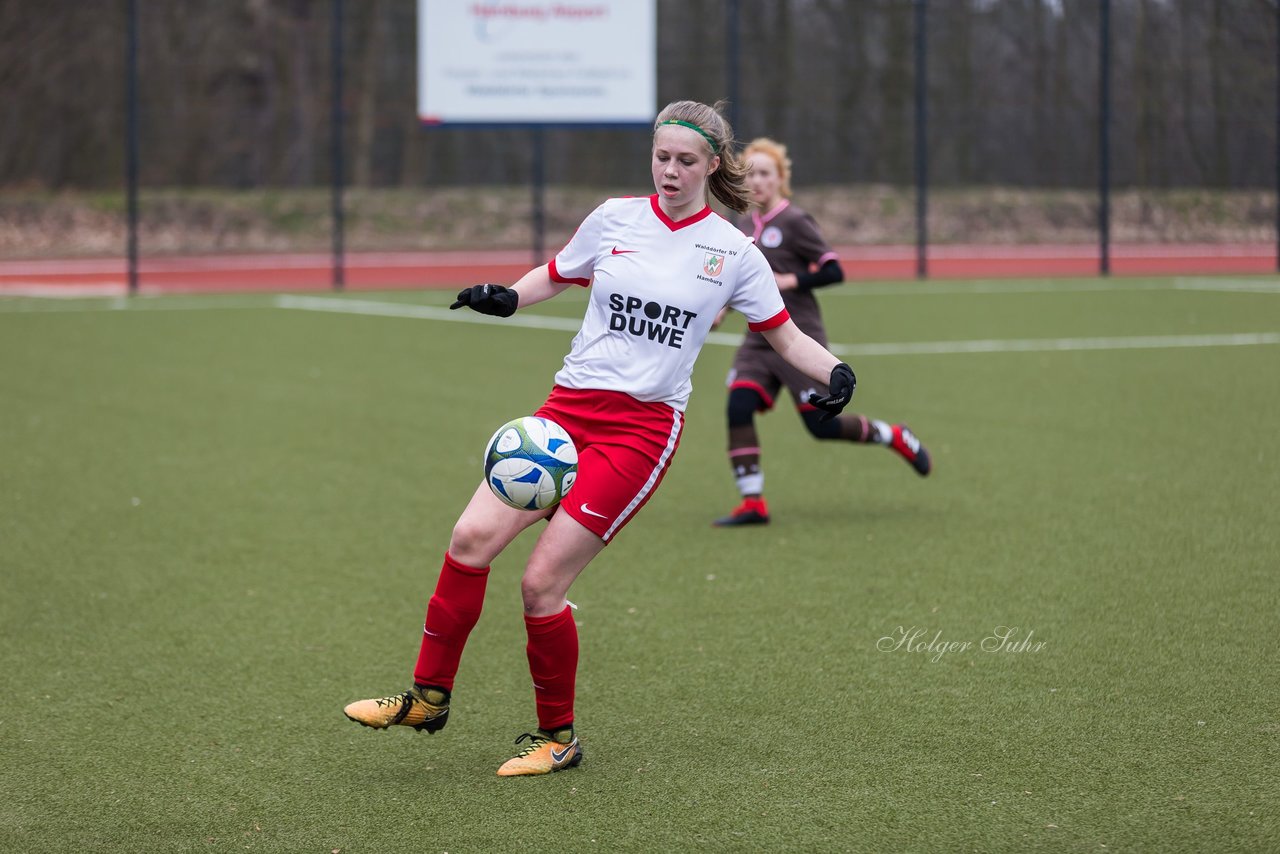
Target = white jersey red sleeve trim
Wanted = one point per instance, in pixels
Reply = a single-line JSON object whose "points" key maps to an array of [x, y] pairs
{"points": [[772, 323], [557, 276], [576, 262]]}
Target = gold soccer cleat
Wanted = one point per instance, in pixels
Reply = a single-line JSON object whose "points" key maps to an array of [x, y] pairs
{"points": [[420, 708], [544, 753]]}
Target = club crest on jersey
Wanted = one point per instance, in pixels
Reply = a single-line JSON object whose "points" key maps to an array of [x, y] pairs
{"points": [[772, 237], [712, 264]]}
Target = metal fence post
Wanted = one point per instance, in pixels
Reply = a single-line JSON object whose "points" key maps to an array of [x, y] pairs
{"points": [[539, 181], [131, 144], [731, 71], [922, 141], [339, 264], [1104, 139]]}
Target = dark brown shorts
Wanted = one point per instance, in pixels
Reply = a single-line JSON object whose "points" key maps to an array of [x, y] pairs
{"points": [[763, 371]]}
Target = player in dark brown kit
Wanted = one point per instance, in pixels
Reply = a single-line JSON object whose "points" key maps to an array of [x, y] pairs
{"points": [[802, 262]]}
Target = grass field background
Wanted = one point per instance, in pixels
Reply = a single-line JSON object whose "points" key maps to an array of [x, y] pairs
{"points": [[220, 520]]}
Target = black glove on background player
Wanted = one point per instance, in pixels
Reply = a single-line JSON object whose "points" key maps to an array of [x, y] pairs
{"points": [[488, 299], [840, 391]]}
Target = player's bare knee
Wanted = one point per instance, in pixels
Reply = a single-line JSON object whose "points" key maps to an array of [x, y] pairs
{"points": [[540, 593], [471, 541]]}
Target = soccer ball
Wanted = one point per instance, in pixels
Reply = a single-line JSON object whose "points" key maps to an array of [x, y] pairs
{"points": [[530, 463]]}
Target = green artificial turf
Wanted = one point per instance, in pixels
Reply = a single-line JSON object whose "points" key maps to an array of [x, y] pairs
{"points": [[221, 520]]}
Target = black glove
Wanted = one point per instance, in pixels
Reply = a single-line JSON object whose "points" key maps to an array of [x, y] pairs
{"points": [[840, 386], [488, 299]]}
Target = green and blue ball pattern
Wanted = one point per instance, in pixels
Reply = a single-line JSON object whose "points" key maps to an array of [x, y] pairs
{"points": [[530, 463]]}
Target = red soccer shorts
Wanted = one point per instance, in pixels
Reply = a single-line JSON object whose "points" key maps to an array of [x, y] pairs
{"points": [[624, 448]]}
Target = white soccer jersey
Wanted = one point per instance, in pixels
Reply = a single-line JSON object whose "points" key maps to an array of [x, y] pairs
{"points": [[657, 287]]}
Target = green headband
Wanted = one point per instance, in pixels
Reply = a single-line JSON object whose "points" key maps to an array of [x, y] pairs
{"points": [[715, 149]]}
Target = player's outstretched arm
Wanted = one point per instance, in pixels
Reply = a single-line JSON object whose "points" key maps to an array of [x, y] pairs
{"points": [[537, 285], [533, 287], [803, 353]]}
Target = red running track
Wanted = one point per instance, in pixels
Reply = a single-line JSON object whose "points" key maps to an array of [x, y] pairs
{"points": [[448, 269]]}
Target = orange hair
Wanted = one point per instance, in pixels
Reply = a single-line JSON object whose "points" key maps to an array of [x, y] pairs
{"points": [[777, 152]]}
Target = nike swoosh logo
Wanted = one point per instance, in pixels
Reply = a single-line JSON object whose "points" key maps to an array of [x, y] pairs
{"points": [[583, 508], [559, 756], [617, 251], [429, 632]]}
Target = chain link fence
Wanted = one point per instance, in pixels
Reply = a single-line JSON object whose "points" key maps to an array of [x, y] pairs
{"points": [[1000, 146]]}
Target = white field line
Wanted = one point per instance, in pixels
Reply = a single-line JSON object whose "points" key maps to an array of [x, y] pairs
{"points": [[424, 312], [1052, 286], [1241, 286], [123, 303], [994, 286], [910, 348], [44, 290], [1050, 345]]}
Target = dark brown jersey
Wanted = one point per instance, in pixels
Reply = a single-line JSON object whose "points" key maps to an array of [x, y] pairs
{"points": [[791, 243]]}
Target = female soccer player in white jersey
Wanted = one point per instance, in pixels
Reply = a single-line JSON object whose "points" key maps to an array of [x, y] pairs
{"points": [[660, 269], [802, 262]]}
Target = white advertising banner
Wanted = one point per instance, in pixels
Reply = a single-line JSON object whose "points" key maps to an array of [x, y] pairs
{"points": [[585, 62]]}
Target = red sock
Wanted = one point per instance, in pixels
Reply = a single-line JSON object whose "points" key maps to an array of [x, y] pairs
{"points": [[553, 663], [451, 615]]}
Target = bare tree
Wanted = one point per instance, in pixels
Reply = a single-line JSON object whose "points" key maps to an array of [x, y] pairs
{"points": [[235, 93]]}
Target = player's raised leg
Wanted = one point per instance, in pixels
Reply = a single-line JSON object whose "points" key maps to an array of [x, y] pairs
{"points": [[871, 431], [563, 550], [485, 528]]}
